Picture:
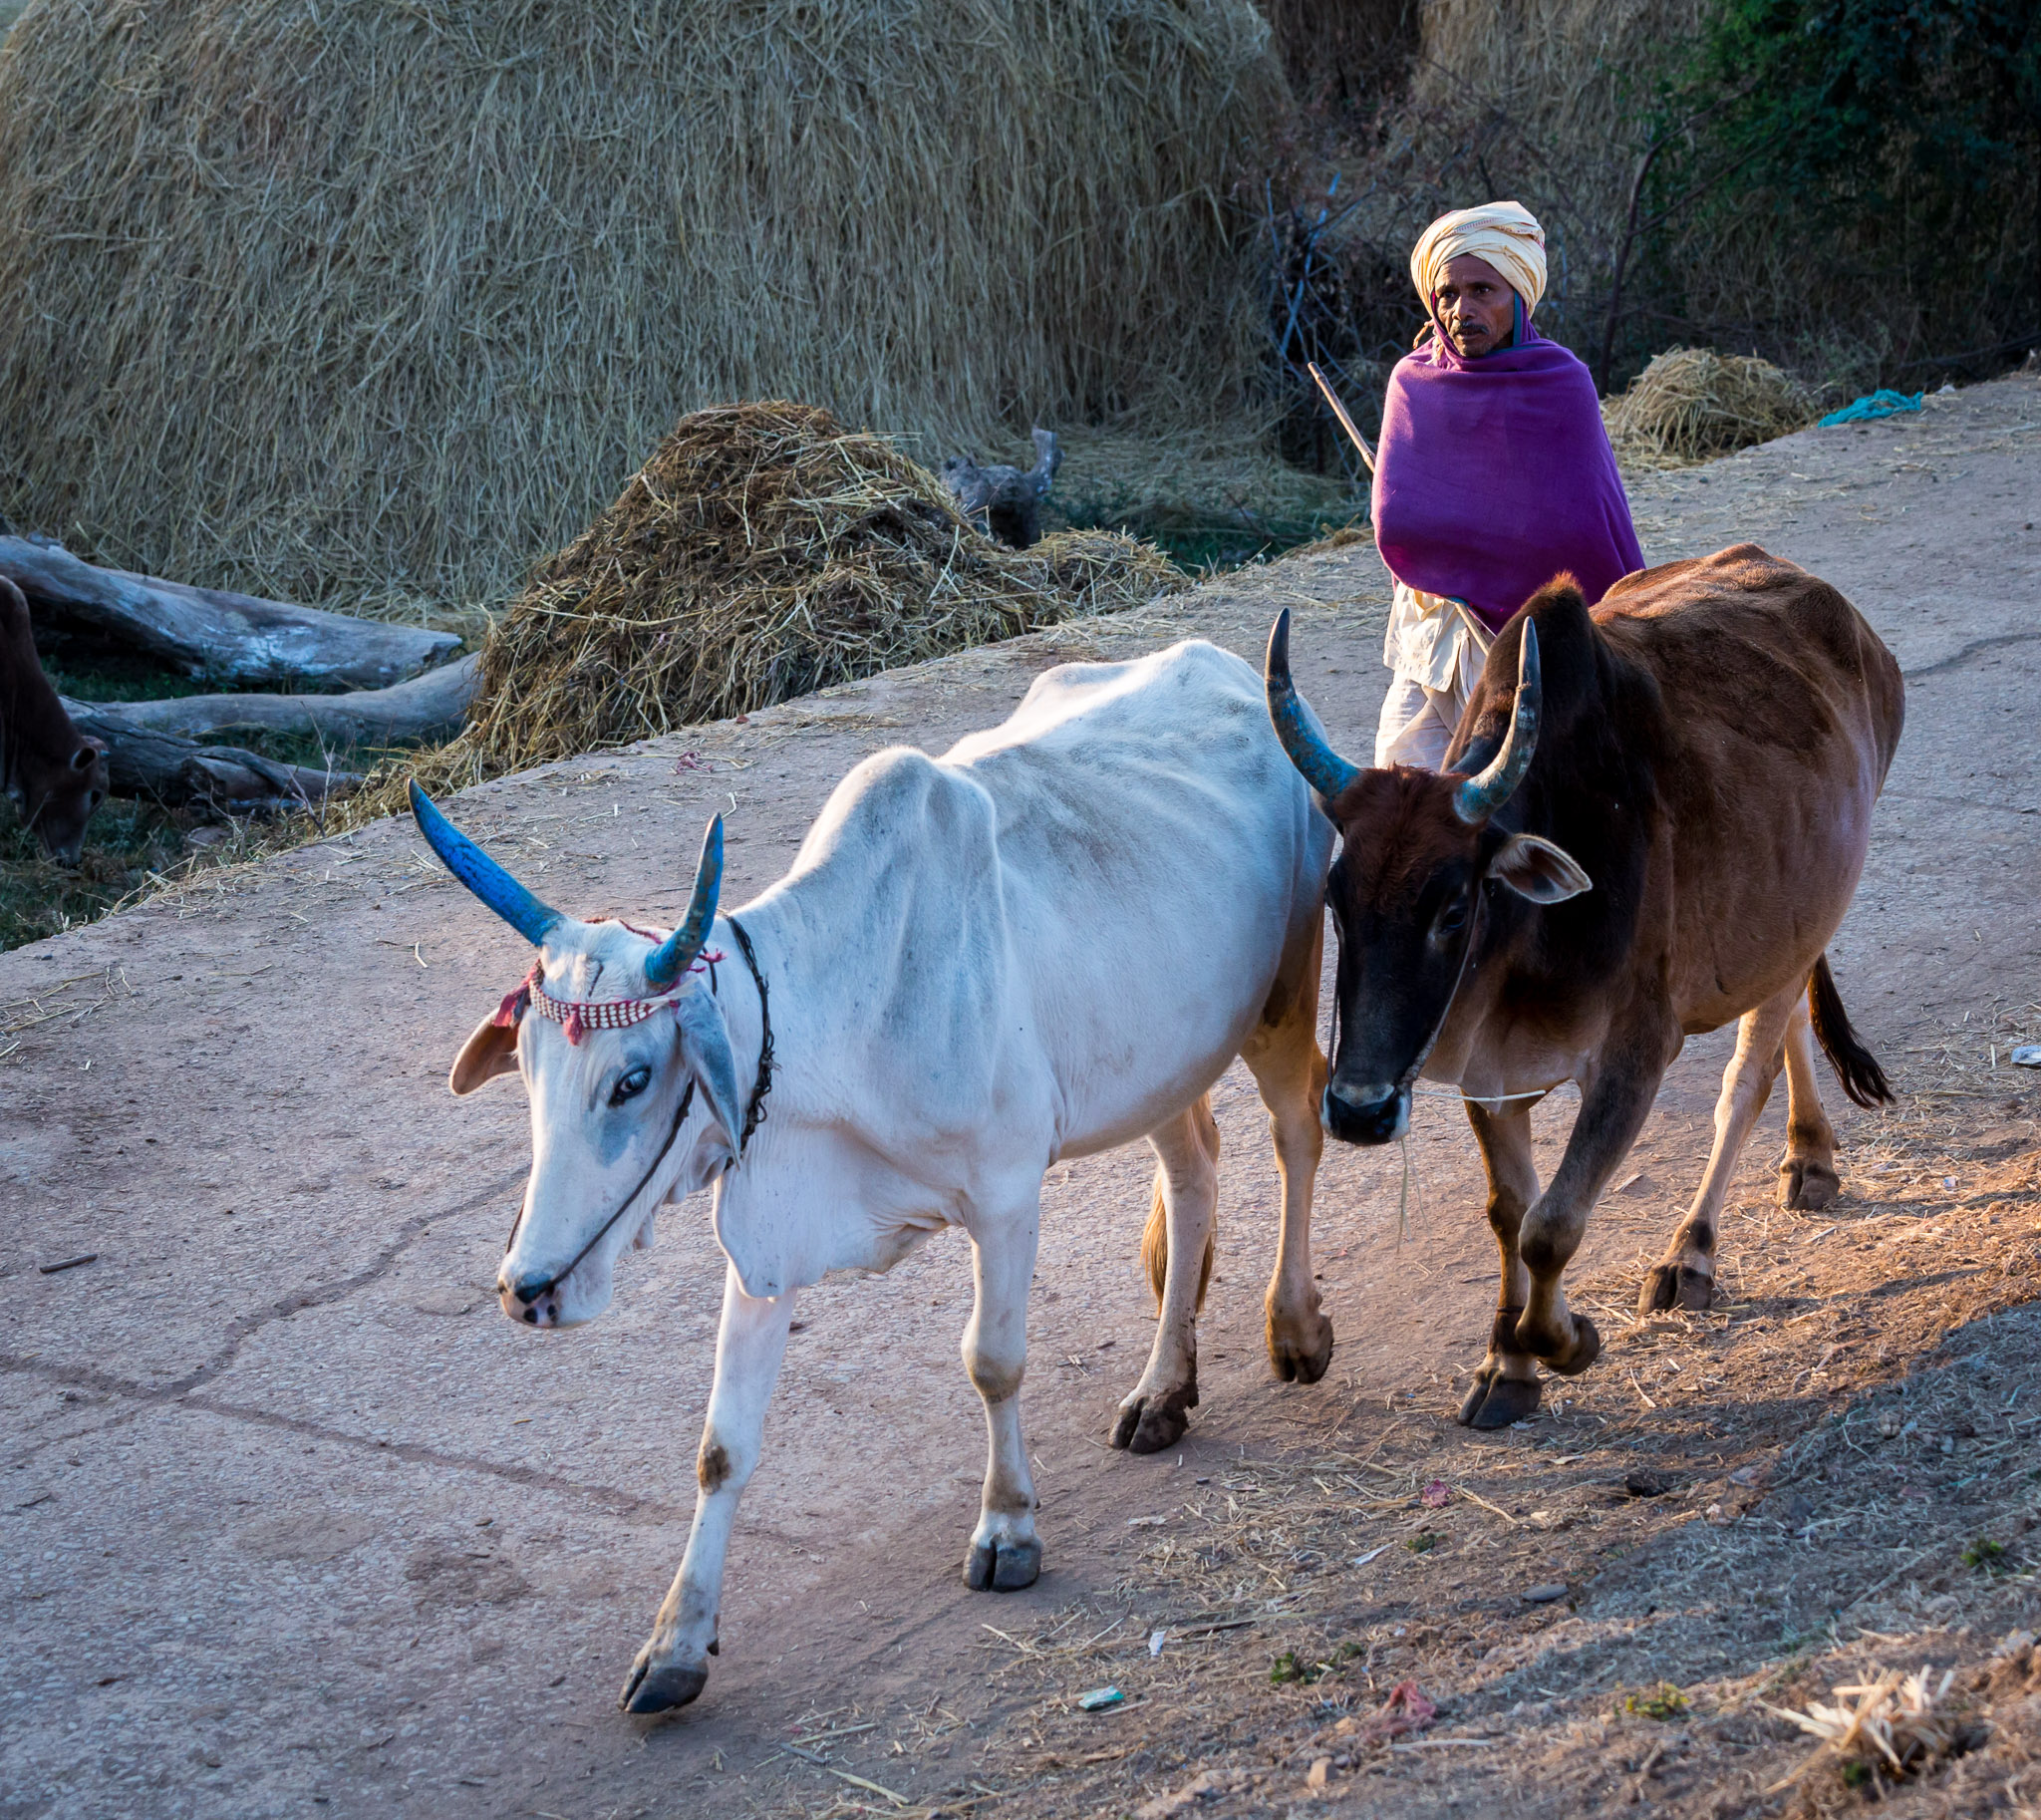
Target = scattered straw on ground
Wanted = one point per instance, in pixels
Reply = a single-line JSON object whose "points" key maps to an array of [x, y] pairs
{"points": [[1692, 404], [764, 551], [1891, 1725]]}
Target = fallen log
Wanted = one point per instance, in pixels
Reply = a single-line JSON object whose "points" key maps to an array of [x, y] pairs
{"points": [[178, 772], [206, 632], [429, 707]]}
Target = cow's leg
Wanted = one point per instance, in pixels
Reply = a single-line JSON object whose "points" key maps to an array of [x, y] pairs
{"points": [[1505, 1386], [1156, 1411], [1006, 1553], [1290, 1071], [673, 1666], [1686, 1276], [1613, 1108], [1807, 1174]]}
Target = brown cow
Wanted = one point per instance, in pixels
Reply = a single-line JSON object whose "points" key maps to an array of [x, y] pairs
{"points": [[1659, 835], [56, 774]]}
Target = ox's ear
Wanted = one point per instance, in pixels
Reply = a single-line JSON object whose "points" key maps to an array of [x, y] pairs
{"points": [[1537, 869], [705, 1048], [490, 1051]]}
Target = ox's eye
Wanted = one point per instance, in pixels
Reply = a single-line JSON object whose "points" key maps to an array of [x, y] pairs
{"points": [[1453, 915], [630, 1085]]}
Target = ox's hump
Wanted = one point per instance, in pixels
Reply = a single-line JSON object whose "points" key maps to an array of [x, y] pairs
{"points": [[1145, 694]]}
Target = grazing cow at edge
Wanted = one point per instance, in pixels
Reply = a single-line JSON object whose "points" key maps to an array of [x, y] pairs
{"points": [[1047, 942], [1657, 831], [55, 774]]}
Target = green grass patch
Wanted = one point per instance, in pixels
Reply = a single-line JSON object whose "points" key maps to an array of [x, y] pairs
{"points": [[1986, 1555], [1665, 1702], [128, 847]]}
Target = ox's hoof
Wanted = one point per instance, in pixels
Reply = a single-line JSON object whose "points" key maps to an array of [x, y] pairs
{"points": [[1300, 1348], [1670, 1286], [1004, 1566], [1147, 1424], [1806, 1185], [1574, 1358], [1496, 1403], [660, 1689]]}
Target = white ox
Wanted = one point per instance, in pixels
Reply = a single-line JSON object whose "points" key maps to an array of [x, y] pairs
{"points": [[1050, 941]]}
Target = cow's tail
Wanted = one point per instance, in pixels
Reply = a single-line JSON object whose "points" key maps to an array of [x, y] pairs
{"points": [[1856, 1066], [1155, 1236]]}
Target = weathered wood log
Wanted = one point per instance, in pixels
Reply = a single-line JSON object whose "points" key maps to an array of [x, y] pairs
{"points": [[142, 761], [235, 638], [427, 706]]}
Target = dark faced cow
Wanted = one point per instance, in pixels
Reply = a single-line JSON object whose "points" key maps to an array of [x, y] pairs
{"points": [[56, 776], [1651, 822]]}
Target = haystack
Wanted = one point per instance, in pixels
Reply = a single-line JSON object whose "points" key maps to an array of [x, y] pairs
{"points": [[333, 299], [1692, 404], [764, 551]]}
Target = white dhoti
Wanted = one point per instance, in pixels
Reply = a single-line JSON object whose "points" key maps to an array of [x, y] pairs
{"points": [[1436, 648]]}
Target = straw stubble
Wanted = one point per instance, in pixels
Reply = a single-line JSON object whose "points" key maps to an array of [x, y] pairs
{"points": [[347, 301]]}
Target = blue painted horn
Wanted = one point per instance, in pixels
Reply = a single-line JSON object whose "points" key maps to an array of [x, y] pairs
{"points": [[1480, 797], [673, 956], [1296, 725], [481, 874]]}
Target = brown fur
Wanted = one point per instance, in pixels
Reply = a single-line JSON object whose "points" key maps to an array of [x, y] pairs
{"points": [[56, 776], [712, 1464], [1712, 737], [1155, 1235]]}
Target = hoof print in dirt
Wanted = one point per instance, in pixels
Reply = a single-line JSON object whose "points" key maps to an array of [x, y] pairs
{"points": [[1004, 1567], [1496, 1403], [1670, 1286], [1807, 1187], [650, 1690], [1147, 1424]]}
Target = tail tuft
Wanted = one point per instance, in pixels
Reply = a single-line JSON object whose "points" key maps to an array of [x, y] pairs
{"points": [[1856, 1066]]}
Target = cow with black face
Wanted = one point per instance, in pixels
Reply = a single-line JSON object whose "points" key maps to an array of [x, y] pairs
{"points": [[1652, 832]]}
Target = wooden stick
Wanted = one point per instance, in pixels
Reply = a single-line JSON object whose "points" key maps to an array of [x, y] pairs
{"points": [[1347, 423]]}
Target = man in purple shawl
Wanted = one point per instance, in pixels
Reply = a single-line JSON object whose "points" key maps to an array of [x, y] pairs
{"points": [[1493, 474]]}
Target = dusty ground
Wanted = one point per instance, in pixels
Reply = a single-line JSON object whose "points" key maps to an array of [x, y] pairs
{"points": [[273, 1539]]}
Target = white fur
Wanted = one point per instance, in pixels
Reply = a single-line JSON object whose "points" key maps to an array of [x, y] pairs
{"points": [[1048, 942]]}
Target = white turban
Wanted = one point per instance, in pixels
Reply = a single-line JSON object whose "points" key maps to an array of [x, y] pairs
{"points": [[1506, 234]]}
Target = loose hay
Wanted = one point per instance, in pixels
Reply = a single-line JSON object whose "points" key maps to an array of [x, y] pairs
{"points": [[1891, 1725], [335, 299], [764, 551], [1692, 404]]}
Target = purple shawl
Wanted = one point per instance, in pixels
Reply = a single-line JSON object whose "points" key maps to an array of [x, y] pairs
{"points": [[1495, 473]]}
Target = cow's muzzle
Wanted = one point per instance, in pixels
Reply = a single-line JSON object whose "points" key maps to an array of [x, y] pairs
{"points": [[1367, 1115], [533, 1300]]}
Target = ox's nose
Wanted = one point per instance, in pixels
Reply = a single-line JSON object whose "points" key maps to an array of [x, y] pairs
{"points": [[532, 1299], [1369, 1116]]}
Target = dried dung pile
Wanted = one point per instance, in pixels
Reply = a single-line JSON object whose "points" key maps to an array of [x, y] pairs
{"points": [[347, 300], [1692, 404], [764, 551]]}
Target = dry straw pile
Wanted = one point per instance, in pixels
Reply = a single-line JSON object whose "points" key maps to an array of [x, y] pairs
{"points": [[764, 551], [1692, 404], [346, 299]]}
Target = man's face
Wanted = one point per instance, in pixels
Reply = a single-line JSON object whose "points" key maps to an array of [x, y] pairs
{"points": [[1475, 306]]}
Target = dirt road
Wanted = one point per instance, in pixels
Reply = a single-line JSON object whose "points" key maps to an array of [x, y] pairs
{"points": [[291, 1517]]}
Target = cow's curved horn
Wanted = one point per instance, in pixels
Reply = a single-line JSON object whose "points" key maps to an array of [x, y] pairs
{"points": [[1296, 725], [481, 874], [1480, 797], [673, 956]]}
